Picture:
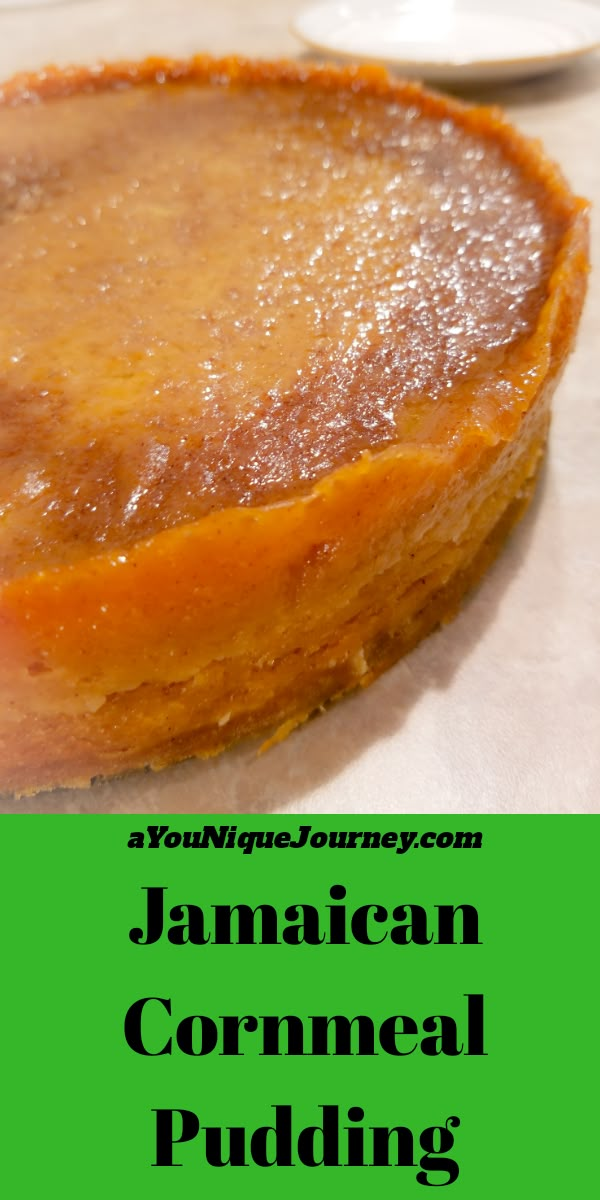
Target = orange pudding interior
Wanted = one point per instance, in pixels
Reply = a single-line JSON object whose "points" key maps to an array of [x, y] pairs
{"points": [[277, 349]]}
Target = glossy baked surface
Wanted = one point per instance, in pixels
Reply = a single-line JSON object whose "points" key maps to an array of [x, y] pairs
{"points": [[250, 285], [279, 345]]}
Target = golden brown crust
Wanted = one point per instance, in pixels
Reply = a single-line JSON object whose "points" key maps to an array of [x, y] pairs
{"points": [[254, 617], [485, 121]]}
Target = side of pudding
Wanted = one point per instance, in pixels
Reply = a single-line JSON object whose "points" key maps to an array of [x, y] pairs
{"points": [[276, 355]]}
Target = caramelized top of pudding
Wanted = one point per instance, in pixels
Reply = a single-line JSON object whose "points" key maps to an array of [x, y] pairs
{"points": [[216, 292]]}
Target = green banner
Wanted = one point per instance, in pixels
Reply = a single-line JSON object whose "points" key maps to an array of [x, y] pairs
{"points": [[371, 1005]]}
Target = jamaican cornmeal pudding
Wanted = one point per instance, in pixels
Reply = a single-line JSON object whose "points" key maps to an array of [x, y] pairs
{"points": [[277, 348]]}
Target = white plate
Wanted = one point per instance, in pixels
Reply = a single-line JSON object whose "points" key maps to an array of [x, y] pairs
{"points": [[454, 39]]}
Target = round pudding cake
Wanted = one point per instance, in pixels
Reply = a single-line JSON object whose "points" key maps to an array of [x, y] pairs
{"points": [[277, 348]]}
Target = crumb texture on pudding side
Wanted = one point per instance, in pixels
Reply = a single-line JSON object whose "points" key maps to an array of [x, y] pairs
{"points": [[275, 375]]}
